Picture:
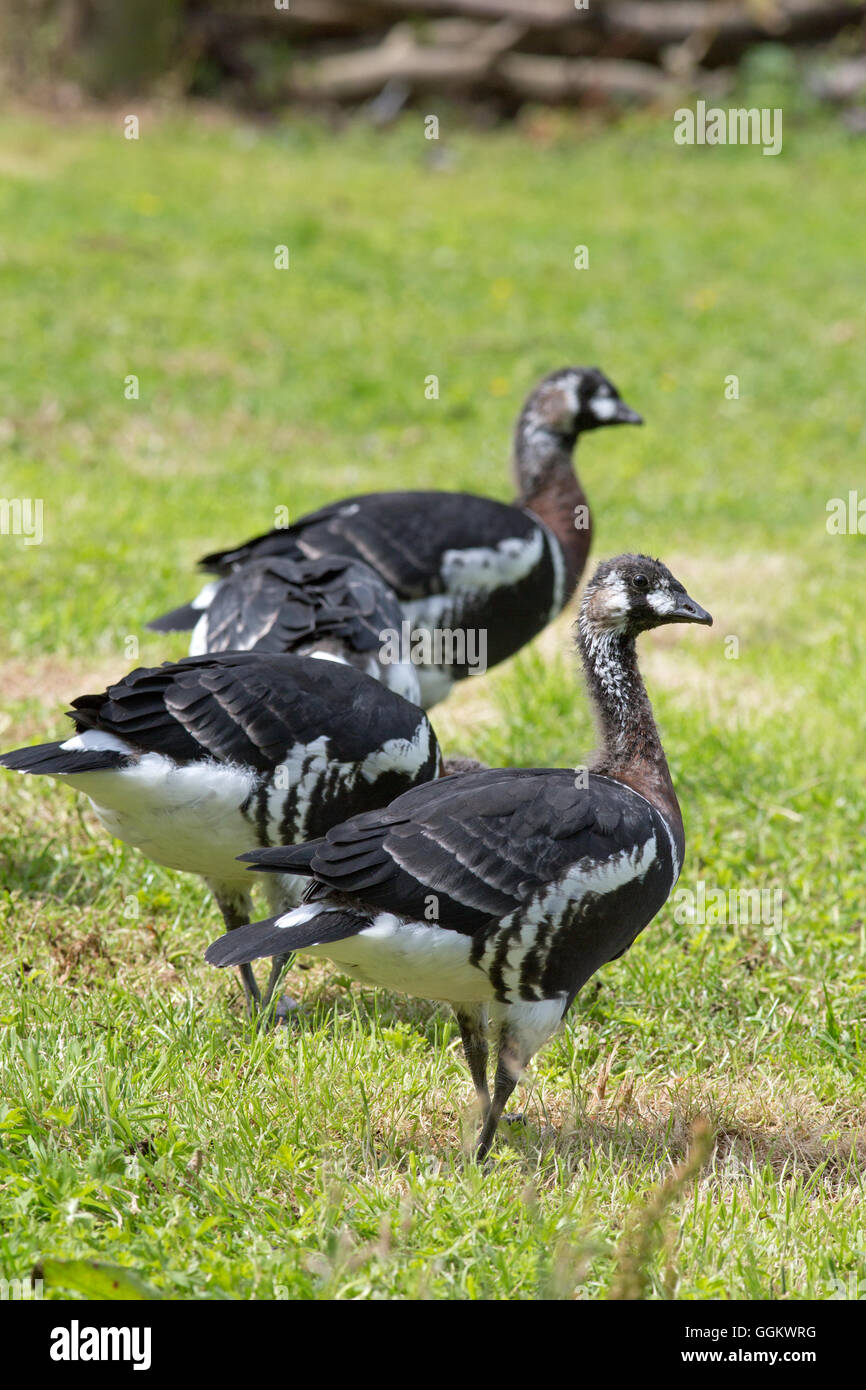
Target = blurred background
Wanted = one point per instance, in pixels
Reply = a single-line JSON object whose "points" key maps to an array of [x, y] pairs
{"points": [[490, 56]]}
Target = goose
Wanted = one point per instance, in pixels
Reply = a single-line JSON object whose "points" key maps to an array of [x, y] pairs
{"points": [[483, 575], [193, 761], [502, 891], [328, 605]]}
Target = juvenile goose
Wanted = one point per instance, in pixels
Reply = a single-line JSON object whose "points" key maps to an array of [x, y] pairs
{"points": [[193, 761], [461, 564], [503, 891], [328, 606]]}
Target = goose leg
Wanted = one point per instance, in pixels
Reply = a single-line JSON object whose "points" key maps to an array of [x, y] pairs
{"points": [[509, 1064], [285, 1005], [524, 1027], [472, 1019], [235, 908], [283, 892]]}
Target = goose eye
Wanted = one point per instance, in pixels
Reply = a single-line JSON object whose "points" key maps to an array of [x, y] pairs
{"points": [[640, 581]]}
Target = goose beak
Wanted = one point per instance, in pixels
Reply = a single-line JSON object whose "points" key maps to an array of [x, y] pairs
{"points": [[687, 611], [626, 416]]}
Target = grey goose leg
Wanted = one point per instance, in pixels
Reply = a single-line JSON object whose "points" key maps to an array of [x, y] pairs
{"points": [[472, 1019], [510, 1063], [236, 907]]}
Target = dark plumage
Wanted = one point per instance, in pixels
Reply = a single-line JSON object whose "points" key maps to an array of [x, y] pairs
{"points": [[462, 563], [327, 604], [195, 760], [503, 891]]}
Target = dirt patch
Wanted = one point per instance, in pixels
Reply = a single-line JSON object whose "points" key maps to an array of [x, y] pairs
{"points": [[48, 684], [752, 1124]]}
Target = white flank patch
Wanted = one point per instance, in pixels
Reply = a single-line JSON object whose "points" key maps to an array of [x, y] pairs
{"points": [[308, 764], [96, 739], [198, 640], [205, 598], [299, 915], [645, 799], [483, 568], [472, 574], [551, 904], [418, 958], [329, 656], [198, 643], [301, 772], [399, 754], [183, 815], [675, 859]]}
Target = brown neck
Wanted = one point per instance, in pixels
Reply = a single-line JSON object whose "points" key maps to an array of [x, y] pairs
{"points": [[631, 750], [549, 487]]}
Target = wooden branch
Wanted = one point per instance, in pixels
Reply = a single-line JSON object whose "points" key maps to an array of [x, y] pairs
{"points": [[670, 21], [537, 14], [303, 20], [364, 72], [573, 79]]}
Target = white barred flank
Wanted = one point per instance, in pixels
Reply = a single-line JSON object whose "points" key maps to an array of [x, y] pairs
{"points": [[552, 909]]}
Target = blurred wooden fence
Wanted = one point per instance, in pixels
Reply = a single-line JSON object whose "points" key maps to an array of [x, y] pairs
{"points": [[346, 52]]}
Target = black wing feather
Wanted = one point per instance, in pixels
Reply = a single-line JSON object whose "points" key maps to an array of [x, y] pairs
{"points": [[480, 841], [403, 536], [249, 708], [282, 605], [52, 760]]}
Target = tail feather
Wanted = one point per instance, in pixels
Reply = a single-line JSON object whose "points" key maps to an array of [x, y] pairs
{"points": [[53, 760], [220, 561], [181, 619], [283, 859], [315, 927]]}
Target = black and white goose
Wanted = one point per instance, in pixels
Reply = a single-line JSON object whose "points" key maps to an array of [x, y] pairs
{"points": [[502, 892], [491, 573], [193, 761], [328, 605]]}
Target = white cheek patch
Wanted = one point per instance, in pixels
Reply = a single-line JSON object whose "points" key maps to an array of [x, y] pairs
{"points": [[661, 601], [603, 407], [616, 601], [571, 386]]}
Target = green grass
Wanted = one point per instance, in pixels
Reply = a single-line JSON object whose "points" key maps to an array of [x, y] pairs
{"points": [[141, 1123]]}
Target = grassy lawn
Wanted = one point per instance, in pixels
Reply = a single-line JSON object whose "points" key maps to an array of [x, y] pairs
{"points": [[141, 1122]]}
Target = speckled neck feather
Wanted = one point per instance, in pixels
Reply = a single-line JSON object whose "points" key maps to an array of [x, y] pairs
{"points": [[549, 487], [631, 750]]}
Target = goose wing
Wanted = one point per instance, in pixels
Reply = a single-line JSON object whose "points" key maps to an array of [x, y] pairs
{"points": [[404, 536], [278, 605], [483, 844], [251, 709]]}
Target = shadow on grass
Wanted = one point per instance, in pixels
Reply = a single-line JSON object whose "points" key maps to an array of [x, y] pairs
{"points": [[795, 1146]]}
